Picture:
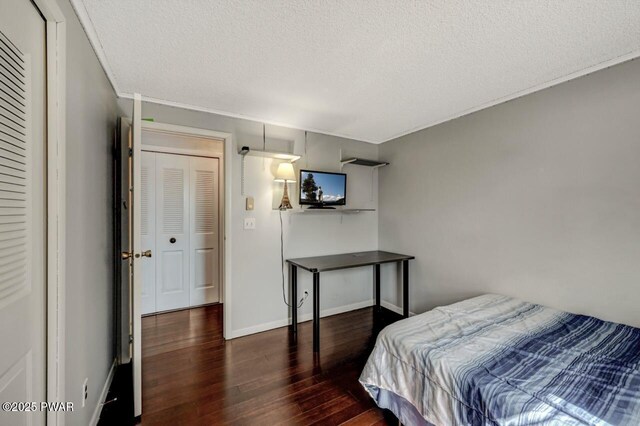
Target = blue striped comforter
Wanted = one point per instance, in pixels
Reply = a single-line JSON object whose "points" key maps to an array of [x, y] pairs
{"points": [[497, 360]]}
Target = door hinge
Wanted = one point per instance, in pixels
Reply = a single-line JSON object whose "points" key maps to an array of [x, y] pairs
{"points": [[131, 338], [130, 152]]}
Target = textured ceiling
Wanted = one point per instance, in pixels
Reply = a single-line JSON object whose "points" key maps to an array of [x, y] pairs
{"points": [[365, 69]]}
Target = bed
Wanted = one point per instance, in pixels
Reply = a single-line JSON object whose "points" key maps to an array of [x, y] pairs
{"points": [[500, 361]]}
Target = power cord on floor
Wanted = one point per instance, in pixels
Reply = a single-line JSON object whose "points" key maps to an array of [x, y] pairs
{"points": [[284, 297]]}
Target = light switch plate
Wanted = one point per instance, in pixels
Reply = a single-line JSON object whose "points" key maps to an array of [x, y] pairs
{"points": [[249, 223], [249, 205]]}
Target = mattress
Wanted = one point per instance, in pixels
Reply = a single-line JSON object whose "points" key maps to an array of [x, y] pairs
{"points": [[495, 360]]}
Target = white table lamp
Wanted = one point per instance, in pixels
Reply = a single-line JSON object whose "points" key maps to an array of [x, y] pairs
{"points": [[285, 174]]}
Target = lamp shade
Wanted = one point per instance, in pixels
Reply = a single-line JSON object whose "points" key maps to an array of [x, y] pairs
{"points": [[285, 173]]}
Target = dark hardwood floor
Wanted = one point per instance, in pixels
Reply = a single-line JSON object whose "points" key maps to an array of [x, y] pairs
{"points": [[190, 375]]}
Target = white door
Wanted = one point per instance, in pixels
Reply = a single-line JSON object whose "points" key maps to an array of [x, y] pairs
{"points": [[204, 231], [138, 254], [22, 209], [172, 231], [148, 230], [125, 301]]}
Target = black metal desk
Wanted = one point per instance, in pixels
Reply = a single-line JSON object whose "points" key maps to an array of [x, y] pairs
{"points": [[318, 264]]}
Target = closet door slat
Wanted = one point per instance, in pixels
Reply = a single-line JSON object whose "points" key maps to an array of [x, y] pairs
{"points": [[15, 169]]}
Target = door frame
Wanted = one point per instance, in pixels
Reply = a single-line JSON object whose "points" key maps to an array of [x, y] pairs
{"points": [[226, 217], [56, 39], [225, 194], [201, 153]]}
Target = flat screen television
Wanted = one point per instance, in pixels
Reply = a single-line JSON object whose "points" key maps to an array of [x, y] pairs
{"points": [[320, 189]]}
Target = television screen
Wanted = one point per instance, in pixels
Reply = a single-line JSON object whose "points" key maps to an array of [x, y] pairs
{"points": [[323, 188]]}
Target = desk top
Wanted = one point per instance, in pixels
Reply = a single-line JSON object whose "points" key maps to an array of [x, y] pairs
{"points": [[347, 260]]}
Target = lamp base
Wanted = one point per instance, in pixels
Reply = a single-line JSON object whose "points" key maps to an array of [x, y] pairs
{"points": [[285, 204]]}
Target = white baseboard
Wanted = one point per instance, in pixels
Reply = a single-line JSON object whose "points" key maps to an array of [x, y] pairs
{"points": [[103, 395], [306, 317], [394, 308]]}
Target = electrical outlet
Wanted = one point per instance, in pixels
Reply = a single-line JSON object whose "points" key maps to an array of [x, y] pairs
{"points": [[249, 223], [85, 391]]}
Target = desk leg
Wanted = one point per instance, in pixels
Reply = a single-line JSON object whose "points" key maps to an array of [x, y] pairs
{"points": [[405, 288], [376, 283], [316, 312], [293, 277]]}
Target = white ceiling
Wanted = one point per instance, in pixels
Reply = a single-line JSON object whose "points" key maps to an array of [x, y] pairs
{"points": [[364, 69]]}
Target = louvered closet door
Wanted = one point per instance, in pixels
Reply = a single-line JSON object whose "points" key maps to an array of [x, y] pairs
{"points": [[204, 251], [172, 231], [22, 209], [148, 228]]}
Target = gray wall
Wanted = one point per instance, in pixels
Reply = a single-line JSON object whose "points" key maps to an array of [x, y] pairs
{"points": [[256, 278], [91, 115], [538, 198]]}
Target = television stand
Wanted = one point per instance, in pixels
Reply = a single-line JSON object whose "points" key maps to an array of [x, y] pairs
{"points": [[321, 208]]}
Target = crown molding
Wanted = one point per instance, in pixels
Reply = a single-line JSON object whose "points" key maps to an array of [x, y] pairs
{"points": [[242, 117], [89, 29], [571, 76]]}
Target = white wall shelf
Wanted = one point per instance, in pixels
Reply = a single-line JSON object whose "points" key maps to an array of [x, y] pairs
{"points": [[269, 154], [363, 162], [327, 211]]}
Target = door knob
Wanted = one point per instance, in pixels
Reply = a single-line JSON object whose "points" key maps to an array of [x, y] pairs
{"points": [[172, 240], [125, 255], [146, 253]]}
